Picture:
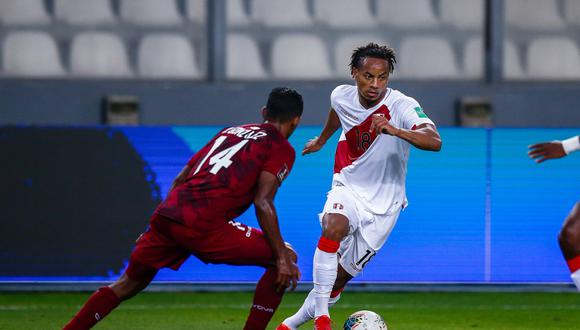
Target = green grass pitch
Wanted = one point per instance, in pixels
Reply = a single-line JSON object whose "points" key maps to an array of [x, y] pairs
{"points": [[228, 310]]}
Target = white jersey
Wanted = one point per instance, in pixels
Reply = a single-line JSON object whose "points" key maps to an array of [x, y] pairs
{"points": [[374, 166]]}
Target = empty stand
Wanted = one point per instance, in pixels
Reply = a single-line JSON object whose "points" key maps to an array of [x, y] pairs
{"points": [[462, 14], [407, 14], [555, 58], [23, 12], [99, 54], [31, 54], [344, 48], [150, 12], [281, 13], [235, 12], [533, 14], [243, 59], [572, 11], [84, 12], [473, 60], [425, 57], [344, 13], [167, 56], [300, 56]]}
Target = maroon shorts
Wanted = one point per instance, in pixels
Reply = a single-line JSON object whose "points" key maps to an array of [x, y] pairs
{"points": [[169, 244]]}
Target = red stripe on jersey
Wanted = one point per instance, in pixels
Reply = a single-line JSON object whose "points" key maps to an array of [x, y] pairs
{"points": [[574, 264], [358, 140]]}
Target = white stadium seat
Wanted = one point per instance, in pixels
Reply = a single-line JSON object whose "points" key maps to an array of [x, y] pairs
{"points": [[533, 14], [84, 12], [407, 14], [344, 13], [150, 12], [31, 54], [556, 58], [23, 12], [425, 57], [463, 14], [281, 13], [236, 15], [344, 48], [99, 54], [300, 56], [572, 11], [163, 55], [473, 60], [243, 58]]}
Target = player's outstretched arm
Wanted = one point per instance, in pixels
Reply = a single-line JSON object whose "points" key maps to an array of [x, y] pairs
{"points": [[180, 178], [424, 136], [331, 125], [543, 151], [288, 272]]}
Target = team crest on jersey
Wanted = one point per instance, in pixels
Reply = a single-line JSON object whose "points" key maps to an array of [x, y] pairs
{"points": [[282, 173], [337, 206]]}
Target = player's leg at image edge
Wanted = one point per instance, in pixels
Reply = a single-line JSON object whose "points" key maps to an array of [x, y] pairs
{"points": [[569, 239]]}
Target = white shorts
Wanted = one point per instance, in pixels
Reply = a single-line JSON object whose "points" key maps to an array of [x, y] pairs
{"points": [[367, 231]]}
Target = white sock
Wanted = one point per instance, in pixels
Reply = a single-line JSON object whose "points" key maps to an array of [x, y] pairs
{"points": [[576, 278], [324, 275], [306, 312]]}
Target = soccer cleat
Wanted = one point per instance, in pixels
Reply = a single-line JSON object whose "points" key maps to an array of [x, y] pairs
{"points": [[322, 323], [283, 326]]}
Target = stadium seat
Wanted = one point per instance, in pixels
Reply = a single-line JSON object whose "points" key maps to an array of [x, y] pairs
{"points": [[407, 14], [344, 13], [572, 11], [512, 63], [23, 12], [344, 48], [84, 12], [243, 58], [556, 58], [462, 14], [235, 13], [281, 13], [150, 12], [533, 14], [425, 57], [473, 60], [99, 54], [167, 56], [300, 56], [31, 54]]}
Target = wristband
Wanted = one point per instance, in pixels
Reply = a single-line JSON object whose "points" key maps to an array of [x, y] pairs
{"points": [[570, 145]]}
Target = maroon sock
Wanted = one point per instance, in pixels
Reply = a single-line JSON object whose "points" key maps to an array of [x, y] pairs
{"points": [[100, 303], [266, 301]]}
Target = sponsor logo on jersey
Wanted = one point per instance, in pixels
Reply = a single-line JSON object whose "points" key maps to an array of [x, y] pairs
{"points": [[282, 173], [420, 112], [337, 206]]}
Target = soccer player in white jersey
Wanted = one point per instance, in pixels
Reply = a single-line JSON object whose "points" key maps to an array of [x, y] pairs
{"points": [[569, 236], [379, 124]]}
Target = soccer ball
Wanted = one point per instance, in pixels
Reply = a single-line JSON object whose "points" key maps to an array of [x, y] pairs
{"points": [[365, 320]]}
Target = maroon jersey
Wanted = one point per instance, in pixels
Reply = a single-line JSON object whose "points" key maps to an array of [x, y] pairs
{"points": [[224, 175]]}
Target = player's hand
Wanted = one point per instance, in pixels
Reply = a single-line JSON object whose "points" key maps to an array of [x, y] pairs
{"points": [[288, 272], [380, 124], [312, 145], [546, 150]]}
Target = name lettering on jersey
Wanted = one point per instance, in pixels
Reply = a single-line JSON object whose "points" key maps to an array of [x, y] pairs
{"points": [[250, 133]]}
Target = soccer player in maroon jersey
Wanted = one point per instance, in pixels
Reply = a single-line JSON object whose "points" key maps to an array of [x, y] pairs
{"points": [[239, 166]]}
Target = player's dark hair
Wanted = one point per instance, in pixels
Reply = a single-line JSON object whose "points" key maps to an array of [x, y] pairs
{"points": [[284, 104], [373, 50]]}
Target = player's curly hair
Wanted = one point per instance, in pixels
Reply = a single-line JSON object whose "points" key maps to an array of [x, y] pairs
{"points": [[284, 104], [373, 50]]}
